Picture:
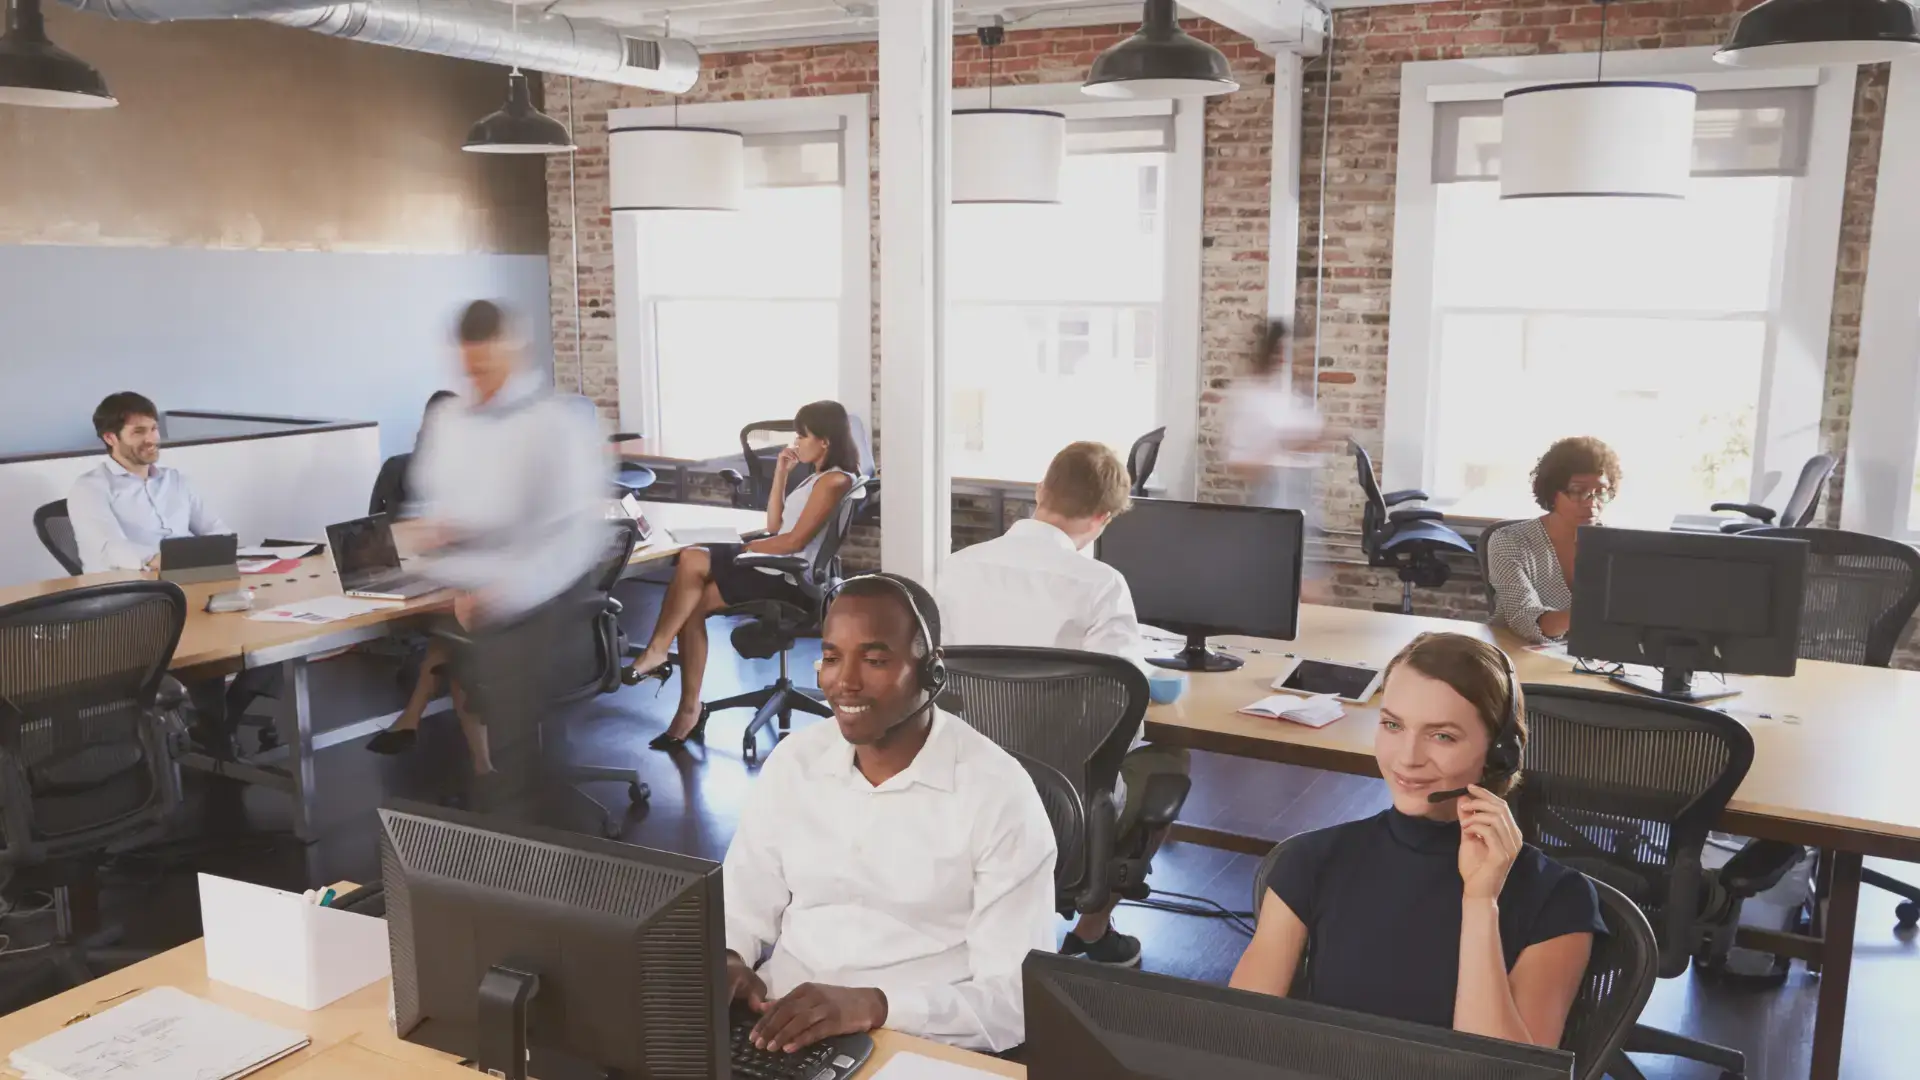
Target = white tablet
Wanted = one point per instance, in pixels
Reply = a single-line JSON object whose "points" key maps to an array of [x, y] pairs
{"points": [[1353, 683]]}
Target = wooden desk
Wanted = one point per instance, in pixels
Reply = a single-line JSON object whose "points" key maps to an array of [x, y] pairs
{"points": [[351, 1037], [1828, 768], [213, 646]]}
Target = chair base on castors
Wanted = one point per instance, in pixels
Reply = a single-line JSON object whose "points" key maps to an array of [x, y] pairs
{"points": [[770, 703]]}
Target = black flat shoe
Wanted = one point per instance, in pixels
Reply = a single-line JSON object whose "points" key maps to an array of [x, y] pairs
{"points": [[393, 742], [698, 734]]}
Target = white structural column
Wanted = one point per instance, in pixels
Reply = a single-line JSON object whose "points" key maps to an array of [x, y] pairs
{"points": [[1283, 230], [916, 99]]}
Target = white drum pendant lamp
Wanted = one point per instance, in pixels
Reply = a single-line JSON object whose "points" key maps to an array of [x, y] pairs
{"points": [[675, 168], [1599, 139], [1006, 155]]}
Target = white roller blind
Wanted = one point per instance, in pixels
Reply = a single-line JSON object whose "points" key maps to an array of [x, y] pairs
{"points": [[1760, 132], [1120, 134], [794, 159]]}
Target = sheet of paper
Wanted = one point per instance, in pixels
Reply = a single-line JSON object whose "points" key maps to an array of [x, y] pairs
{"points": [[268, 566], [320, 609], [163, 1034], [920, 1067], [706, 534]]}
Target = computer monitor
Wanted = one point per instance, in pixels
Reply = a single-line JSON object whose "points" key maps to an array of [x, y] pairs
{"points": [[1088, 1020], [1685, 602], [1209, 568], [596, 956]]}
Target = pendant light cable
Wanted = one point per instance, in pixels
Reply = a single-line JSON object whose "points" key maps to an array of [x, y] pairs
{"points": [[1600, 70], [1320, 232]]}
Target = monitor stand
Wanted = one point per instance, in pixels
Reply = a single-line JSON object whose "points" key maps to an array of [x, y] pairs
{"points": [[505, 995], [1196, 657], [1675, 684]]}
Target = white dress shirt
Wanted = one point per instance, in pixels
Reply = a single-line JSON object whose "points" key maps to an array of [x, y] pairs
{"points": [[1032, 587], [931, 887], [119, 519], [522, 481]]}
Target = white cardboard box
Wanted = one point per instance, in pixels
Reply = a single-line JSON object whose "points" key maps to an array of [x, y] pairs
{"points": [[280, 945]]}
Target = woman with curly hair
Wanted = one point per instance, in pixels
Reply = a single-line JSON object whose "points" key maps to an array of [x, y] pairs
{"points": [[1530, 565]]}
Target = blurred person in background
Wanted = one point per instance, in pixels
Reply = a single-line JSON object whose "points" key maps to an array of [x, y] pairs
{"points": [[512, 479], [1275, 434]]}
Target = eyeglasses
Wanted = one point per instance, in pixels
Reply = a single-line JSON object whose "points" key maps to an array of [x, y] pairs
{"points": [[1601, 495]]}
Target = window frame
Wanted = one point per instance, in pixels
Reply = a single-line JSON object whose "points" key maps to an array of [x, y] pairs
{"points": [[1793, 373], [1883, 433], [635, 341]]}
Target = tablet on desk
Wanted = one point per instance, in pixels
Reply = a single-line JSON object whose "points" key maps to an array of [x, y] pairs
{"points": [[1353, 683]]}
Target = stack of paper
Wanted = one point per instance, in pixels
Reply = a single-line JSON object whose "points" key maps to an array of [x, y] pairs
{"points": [[164, 1034], [919, 1067], [705, 534], [1317, 711]]}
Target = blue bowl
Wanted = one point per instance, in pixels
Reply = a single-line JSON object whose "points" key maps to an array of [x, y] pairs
{"points": [[1165, 686]]}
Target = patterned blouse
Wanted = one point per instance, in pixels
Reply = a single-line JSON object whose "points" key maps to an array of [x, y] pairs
{"points": [[1526, 578]]}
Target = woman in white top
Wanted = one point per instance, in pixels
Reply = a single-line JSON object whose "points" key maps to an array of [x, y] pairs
{"points": [[1530, 565], [707, 580], [1274, 431]]}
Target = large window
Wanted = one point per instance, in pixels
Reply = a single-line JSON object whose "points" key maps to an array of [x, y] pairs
{"points": [[731, 318], [1684, 333], [1058, 315]]}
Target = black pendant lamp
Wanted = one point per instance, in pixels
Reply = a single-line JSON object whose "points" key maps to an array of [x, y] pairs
{"points": [[36, 72], [518, 128], [1159, 61], [1796, 33]]}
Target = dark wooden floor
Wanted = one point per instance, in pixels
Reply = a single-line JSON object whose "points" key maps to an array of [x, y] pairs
{"points": [[697, 795]]}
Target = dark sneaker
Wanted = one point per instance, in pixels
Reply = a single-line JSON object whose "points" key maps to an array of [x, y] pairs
{"points": [[1113, 948]]}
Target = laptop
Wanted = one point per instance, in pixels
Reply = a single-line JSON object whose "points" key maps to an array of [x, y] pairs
{"points": [[188, 559], [368, 563]]}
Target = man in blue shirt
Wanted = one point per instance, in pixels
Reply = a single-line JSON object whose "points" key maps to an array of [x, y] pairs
{"points": [[123, 507]]}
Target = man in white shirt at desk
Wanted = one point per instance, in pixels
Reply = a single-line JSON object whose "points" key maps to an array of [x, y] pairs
{"points": [[1037, 586], [123, 507], [898, 864]]}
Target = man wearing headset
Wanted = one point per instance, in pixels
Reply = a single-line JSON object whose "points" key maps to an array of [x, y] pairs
{"points": [[895, 866]]}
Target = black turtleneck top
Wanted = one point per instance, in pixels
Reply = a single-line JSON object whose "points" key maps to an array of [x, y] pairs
{"points": [[1381, 901]]}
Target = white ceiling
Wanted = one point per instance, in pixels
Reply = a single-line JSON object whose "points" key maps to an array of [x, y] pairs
{"points": [[731, 25]]}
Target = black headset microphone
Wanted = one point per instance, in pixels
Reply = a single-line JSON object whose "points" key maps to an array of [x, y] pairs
{"points": [[1503, 756], [930, 672]]}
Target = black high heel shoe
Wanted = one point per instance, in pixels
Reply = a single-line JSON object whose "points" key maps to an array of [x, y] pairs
{"points": [[391, 741], [635, 678], [698, 734]]}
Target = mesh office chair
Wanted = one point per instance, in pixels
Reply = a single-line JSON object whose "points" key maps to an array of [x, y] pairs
{"points": [[1861, 592], [1141, 459], [760, 444], [55, 530], [1624, 788], [1409, 541], [1484, 543], [389, 495], [587, 660], [1619, 980], [86, 750], [1800, 504], [1070, 717], [774, 625], [629, 477]]}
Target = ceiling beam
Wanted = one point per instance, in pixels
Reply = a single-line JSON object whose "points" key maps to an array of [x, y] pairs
{"points": [[1276, 26]]}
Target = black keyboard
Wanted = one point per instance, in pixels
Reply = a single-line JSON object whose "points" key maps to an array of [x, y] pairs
{"points": [[830, 1059]]}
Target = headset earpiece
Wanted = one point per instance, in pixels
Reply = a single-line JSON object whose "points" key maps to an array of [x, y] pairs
{"points": [[1503, 755]]}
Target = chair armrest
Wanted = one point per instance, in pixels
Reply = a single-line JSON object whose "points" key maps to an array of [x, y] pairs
{"points": [[1752, 510], [1103, 822], [1393, 498], [623, 436], [172, 694], [614, 607], [1415, 514], [1758, 867], [755, 560], [732, 476], [1160, 803]]}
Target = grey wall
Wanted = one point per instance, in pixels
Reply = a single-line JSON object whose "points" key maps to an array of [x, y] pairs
{"points": [[305, 333]]}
